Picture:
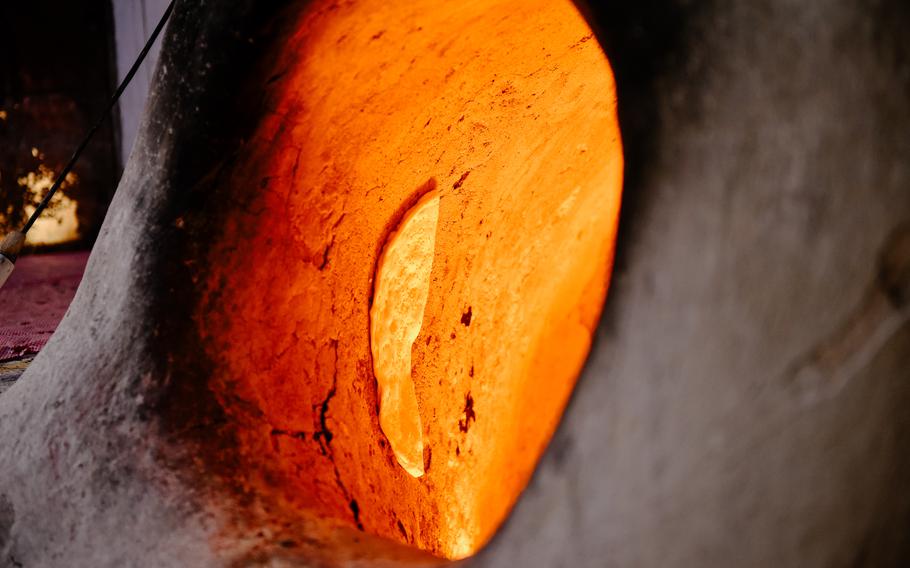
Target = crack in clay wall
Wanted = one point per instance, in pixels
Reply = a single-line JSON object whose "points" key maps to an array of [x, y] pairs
{"points": [[368, 107]]}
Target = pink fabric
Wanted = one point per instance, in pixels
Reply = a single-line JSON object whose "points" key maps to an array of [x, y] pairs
{"points": [[34, 300]]}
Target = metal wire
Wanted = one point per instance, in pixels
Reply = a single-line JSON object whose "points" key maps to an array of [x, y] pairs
{"points": [[88, 137]]}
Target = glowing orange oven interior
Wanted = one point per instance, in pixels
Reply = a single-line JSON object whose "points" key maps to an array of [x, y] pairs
{"points": [[400, 350]]}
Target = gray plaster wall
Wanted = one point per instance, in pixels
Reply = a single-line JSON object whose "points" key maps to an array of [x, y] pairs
{"points": [[134, 21], [747, 402]]}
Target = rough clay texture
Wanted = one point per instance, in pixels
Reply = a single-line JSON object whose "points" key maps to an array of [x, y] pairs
{"points": [[370, 105], [731, 414], [111, 448]]}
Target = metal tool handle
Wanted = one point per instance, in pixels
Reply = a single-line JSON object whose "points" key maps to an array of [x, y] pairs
{"points": [[6, 268]]}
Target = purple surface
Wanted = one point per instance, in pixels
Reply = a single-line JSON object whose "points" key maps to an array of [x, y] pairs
{"points": [[34, 300]]}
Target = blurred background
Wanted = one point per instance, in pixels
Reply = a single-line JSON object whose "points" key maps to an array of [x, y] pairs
{"points": [[61, 62]]}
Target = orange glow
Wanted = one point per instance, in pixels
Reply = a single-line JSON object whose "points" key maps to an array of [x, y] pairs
{"points": [[400, 363], [59, 223]]}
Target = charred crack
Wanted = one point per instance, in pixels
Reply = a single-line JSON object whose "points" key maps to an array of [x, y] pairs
{"points": [[323, 437], [466, 317], [328, 248], [294, 169], [325, 255], [298, 434], [355, 510], [469, 416], [463, 177]]}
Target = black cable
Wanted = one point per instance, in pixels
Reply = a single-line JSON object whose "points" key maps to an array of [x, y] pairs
{"points": [[126, 80]]}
